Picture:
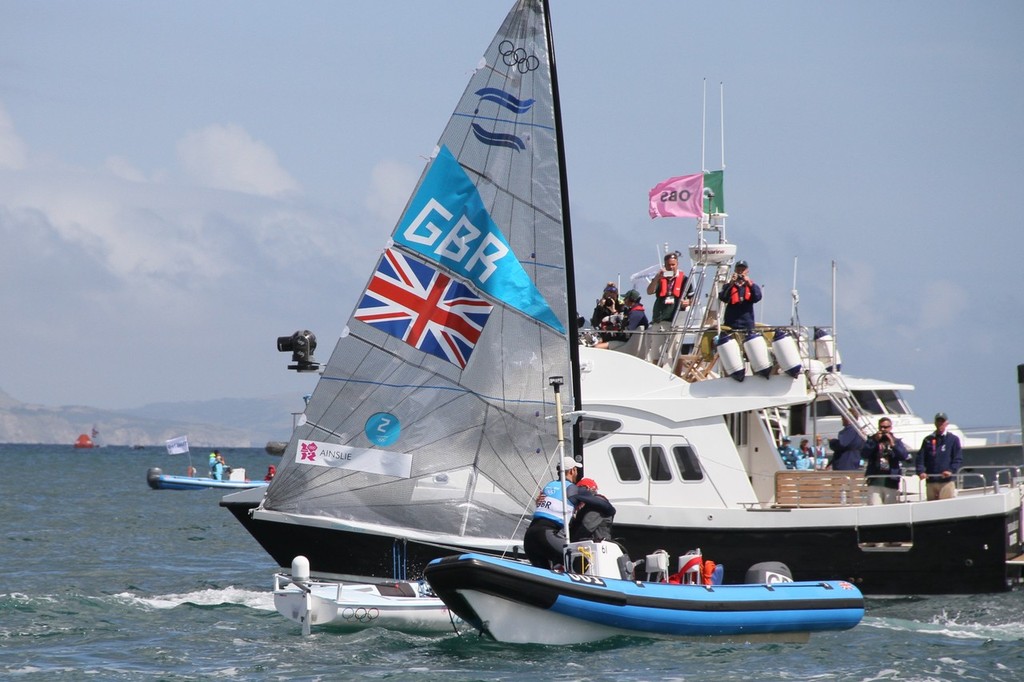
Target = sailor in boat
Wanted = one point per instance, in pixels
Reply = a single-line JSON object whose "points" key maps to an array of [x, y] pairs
{"points": [[938, 460], [591, 521], [545, 538], [271, 472], [885, 454], [740, 294]]}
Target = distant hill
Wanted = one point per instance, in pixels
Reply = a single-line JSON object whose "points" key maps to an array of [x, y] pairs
{"points": [[226, 422]]}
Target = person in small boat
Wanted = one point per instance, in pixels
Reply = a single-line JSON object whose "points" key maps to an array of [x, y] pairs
{"points": [[846, 447], [740, 294], [271, 472], [213, 462], [545, 538], [884, 454], [633, 318], [938, 460], [590, 520], [788, 453], [220, 469]]}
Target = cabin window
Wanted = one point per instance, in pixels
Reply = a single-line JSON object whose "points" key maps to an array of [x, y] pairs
{"points": [[594, 428], [625, 463], [689, 465], [824, 408], [893, 402], [868, 402], [657, 463]]}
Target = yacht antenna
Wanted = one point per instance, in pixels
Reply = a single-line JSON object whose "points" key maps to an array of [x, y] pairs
{"points": [[703, 123], [721, 112], [794, 315], [834, 333]]}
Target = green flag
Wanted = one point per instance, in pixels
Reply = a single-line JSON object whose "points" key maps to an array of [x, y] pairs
{"points": [[713, 182]]}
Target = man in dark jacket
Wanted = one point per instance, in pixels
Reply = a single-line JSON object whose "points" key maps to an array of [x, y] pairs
{"points": [[885, 454], [592, 519], [740, 294], [846, 447], [938, 460]]}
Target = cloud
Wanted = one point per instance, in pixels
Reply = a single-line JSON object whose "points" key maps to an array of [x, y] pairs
{"points": [[227, 157], [391, 185], [13, 152]]}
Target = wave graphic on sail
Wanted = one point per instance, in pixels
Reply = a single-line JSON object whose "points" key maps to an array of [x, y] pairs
{"points": [[433, 417]]}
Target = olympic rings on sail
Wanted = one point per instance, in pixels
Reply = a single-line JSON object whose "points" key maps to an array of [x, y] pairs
{"points": [[517, 57]]}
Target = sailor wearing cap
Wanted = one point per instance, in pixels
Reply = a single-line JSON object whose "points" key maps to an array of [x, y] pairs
{"points": [[545, 539], [938, 460]]}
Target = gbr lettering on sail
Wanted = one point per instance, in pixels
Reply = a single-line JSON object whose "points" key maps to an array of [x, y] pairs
{"points": [[460, 242]]}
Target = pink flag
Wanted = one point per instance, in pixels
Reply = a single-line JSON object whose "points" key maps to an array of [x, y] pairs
{"points": [[678, 197]]}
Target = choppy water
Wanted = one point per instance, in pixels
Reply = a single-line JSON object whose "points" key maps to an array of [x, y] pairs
{"points": [[102, 578]]}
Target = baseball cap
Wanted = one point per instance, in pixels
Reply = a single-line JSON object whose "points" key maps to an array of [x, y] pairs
{"points": [[587, 483], [941, 417], [568, 463]]}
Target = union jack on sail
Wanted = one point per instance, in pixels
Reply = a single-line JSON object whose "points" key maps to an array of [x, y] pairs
{"points": [[424, 307]]}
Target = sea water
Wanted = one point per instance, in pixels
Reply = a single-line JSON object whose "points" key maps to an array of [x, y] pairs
{"points": [[102, 578]]}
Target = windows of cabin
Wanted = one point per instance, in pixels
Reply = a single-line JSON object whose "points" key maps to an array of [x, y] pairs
{"points": [[656, 463]]}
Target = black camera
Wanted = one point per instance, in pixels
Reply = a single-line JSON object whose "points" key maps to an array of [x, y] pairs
{"points": [[301, 345]]}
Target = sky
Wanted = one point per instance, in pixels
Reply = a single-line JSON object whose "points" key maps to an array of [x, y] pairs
{"points": [[183, 182]]}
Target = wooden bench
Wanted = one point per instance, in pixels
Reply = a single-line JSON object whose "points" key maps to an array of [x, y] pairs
{"points": [[819, 489]]}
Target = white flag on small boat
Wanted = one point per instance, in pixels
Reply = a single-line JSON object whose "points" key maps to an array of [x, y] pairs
{"points": [[177, 446]]}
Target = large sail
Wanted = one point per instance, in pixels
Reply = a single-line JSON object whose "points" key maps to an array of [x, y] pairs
{"points": [[434, 414]]}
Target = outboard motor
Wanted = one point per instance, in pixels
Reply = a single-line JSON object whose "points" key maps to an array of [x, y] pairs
{"points": [[153, 476], [768, 573]]}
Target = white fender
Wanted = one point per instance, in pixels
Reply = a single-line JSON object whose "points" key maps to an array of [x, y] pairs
{"points": [[787, 353], [756, 349], [729, 356], [824, 347]]}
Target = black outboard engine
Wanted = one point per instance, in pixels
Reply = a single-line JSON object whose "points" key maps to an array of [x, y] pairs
{"points": [[768, 572], [152, 476]]}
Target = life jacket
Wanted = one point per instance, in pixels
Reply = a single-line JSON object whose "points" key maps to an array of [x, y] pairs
{"points": [[677, 285], [549, 504], [735, 296]]}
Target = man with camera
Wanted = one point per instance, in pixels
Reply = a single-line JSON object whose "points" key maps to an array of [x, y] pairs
{"points": [[740, 294], [669, 289], [884, 454]]}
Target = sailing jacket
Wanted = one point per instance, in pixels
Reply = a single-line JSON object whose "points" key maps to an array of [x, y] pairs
{"points": [[549, 503], [939, 453]]}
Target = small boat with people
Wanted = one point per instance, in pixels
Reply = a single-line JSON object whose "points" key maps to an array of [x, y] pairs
{"points": [[599, 596], [236, 480]]}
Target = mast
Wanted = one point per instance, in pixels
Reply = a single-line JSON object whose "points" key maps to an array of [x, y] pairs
{"points": [[570, 274]]}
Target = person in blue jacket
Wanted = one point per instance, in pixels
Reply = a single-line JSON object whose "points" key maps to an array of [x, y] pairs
{"points": [[739, 294], [938, 460], [846, 447], [884, 454], [788, 453]]}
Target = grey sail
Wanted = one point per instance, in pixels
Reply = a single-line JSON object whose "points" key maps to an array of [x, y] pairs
{"points": [[434, 416]]}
